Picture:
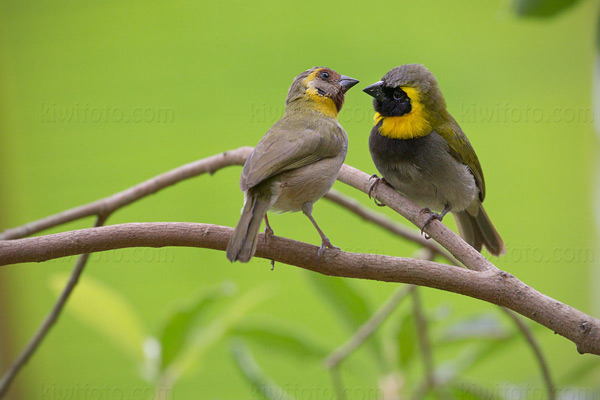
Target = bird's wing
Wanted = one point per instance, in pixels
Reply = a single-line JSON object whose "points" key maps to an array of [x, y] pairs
{"points": [[461, 149], [284, 148]]}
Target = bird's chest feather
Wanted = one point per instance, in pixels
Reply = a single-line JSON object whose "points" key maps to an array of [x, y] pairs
{"points": [[423, 169], [389, 150]]}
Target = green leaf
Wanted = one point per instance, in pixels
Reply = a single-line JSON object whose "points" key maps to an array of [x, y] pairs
{"points": [[580, 371], [485, 326], [350, 306], [261, 384], [204, 337], [277, 336], [105, 310], [183, 321], [407, 339], [473, 355], [541, 8]]}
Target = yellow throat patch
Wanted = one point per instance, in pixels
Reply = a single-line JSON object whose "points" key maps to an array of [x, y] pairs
{"points": [[411, 125], [322, 104]]}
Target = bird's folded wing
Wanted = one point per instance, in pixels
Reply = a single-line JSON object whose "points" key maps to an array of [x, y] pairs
{"points": [[461, 149], [280, 151]]}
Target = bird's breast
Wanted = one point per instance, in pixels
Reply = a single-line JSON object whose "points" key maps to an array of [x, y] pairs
{"points": [[307, 184], [388, 149], [423, 170]]}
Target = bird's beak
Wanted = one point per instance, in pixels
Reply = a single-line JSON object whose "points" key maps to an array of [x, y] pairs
{"points": [[346, 82], [375, 90]]}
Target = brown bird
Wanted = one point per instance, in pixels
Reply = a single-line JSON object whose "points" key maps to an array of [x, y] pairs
{"points": [[297, 160]]}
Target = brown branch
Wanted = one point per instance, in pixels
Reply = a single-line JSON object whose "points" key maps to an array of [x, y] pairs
{"points": [[112, 203], [48, 322], [491, 285]]}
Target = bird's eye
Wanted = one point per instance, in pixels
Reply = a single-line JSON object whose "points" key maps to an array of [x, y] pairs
{"points": [[324, 75], [398, 94]]}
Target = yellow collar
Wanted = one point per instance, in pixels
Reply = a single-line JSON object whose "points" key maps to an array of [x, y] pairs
{"points": [[412, 125], [322, 104]]}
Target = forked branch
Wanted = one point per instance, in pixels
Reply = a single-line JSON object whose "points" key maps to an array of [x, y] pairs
{"points": [[482, 280]]}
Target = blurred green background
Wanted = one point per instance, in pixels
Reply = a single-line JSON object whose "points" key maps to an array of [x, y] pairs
{"points": [[98, 96]]}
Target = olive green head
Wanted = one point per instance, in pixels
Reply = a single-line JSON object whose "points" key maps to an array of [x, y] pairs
{"points": [[403, 87], [320, 88]]}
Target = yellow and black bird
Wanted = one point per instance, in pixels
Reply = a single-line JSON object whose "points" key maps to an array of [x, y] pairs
{"points": [[421, 151], [297, 160]]}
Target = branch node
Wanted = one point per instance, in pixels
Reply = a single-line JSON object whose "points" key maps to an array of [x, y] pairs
{"points": [[585, 327]]}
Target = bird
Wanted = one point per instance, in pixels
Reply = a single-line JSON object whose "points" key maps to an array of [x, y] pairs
{"points": [[421, 151], [297, 160]]}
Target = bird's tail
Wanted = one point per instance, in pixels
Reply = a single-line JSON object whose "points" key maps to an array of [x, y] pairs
{"points": [[476, 229], [242, 245]]}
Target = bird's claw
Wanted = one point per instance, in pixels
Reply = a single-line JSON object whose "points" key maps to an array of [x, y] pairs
{"points": [[425, 210], [432, 216], [325, 244], [269, 233], [376, 181], [268, 230]]}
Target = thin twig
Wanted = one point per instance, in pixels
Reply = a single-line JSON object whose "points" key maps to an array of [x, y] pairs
{"points": [[386, 223], [367, 329], [112, 203], [492, 285], [338, 385], [49, 321], [537, 351], [423, 340]]}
